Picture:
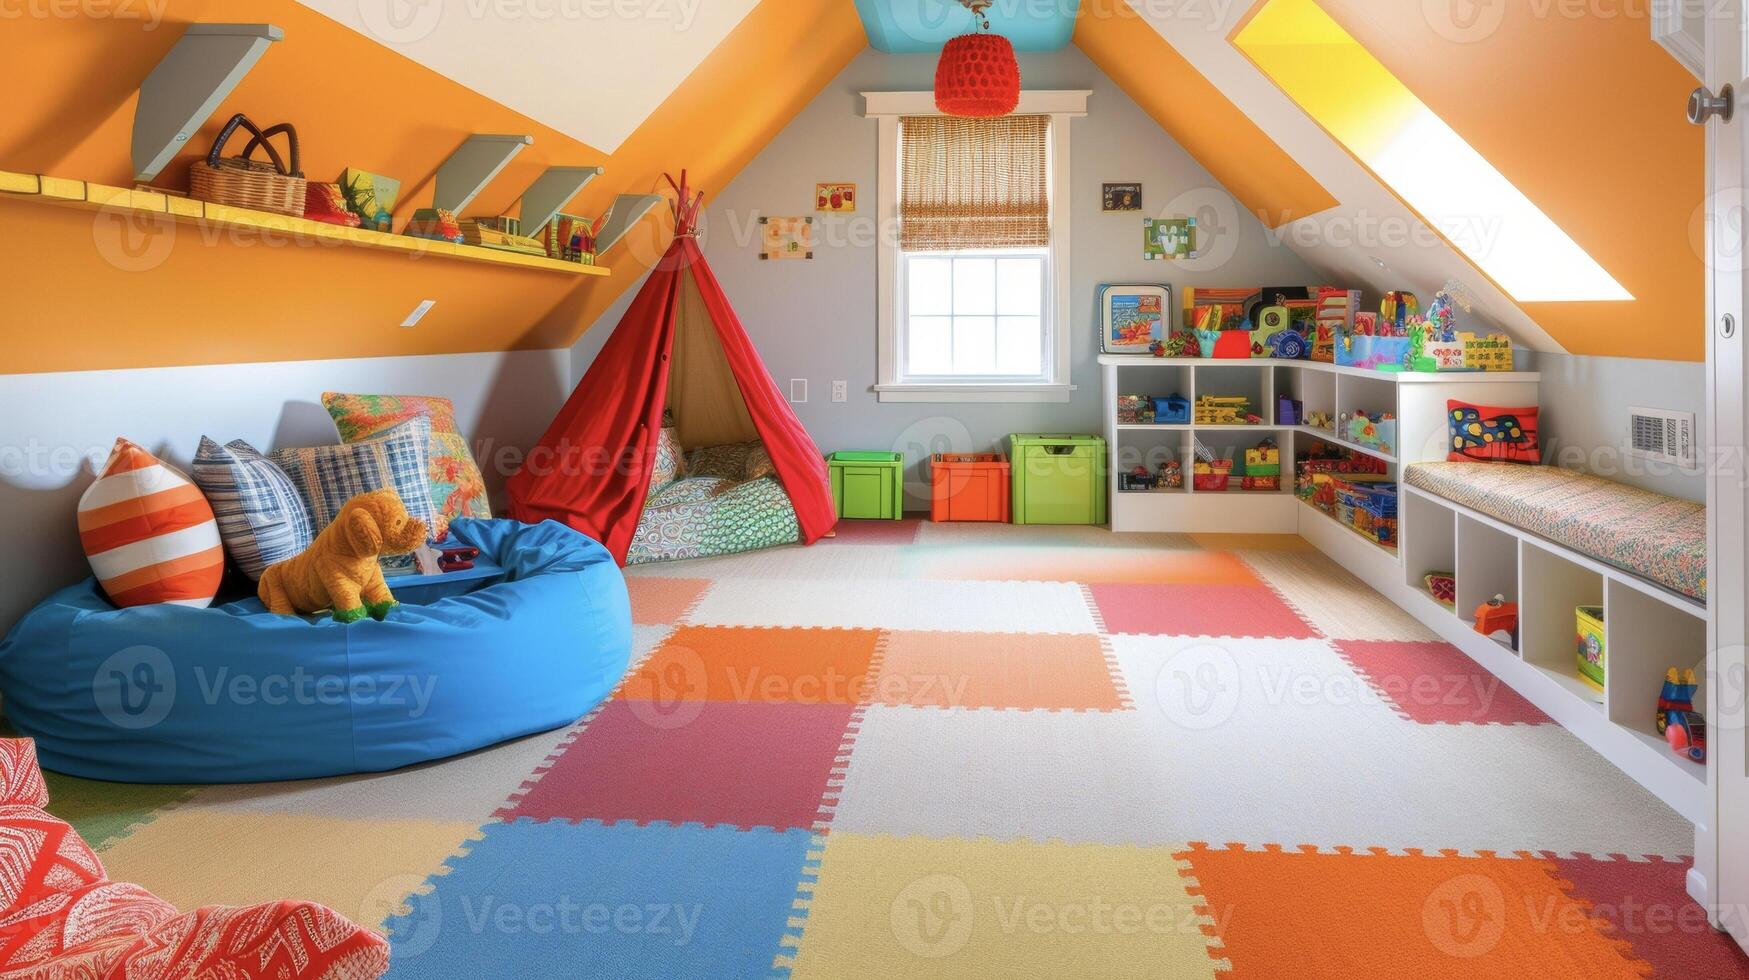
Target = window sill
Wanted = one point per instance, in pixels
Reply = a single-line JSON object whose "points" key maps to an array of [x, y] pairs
{"points": [[946, 393]]}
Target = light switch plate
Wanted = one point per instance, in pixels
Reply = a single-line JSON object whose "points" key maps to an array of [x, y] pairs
{"points": [[798, 390]]}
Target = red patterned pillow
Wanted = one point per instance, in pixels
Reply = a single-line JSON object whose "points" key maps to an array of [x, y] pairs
{"points": [[64, 917], [1484, 434], [21, 779]]}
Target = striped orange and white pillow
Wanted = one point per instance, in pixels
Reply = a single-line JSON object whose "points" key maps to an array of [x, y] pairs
{"points": [[149, 533]]}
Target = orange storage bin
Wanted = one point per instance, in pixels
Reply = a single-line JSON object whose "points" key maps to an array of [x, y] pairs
{"points": [[969, 487]]}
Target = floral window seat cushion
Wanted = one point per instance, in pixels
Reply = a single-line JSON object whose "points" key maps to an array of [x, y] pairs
{"points": [[1659, 538]]}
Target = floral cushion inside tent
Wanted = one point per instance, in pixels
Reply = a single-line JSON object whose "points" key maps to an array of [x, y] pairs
{"points": [[65, 918], [715, 511]]}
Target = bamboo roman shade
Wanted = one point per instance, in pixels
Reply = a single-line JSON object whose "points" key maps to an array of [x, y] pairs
{"points": [[973, 183]]}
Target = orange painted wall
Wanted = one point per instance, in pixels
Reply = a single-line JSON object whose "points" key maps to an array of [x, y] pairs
{"points": [[1187, 105], [1584, 115], [81, 296]]}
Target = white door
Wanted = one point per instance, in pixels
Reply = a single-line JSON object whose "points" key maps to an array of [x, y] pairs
{"points": [[1722, 849]]}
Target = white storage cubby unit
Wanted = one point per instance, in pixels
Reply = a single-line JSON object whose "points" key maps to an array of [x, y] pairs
{"points": [[1648, 629], [1417, 401]]}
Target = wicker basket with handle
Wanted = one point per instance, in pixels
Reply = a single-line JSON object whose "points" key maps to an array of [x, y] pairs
{"points": [[264, 185]]}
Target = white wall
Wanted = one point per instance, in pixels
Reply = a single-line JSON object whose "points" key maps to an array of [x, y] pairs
{"points": [[1584, 417], [56, 428], [816, 320]]}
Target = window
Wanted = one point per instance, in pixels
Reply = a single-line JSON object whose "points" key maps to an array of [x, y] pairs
{"points": [[974, 283], [974, 234], [1418, 156], [975, 315]]}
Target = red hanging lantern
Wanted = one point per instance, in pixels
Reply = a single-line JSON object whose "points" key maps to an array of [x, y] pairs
{"points": [[978, 75]]}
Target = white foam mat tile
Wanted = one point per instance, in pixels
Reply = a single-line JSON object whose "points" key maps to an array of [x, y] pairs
{"points": [[992, 607], [646, 639], [951, 533], [1339, 605], [1120, 778], [467, 788], [826, 560], [1197, 683]]}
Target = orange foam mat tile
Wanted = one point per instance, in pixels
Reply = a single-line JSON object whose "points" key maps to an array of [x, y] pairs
{"points": [[1295, 912]]}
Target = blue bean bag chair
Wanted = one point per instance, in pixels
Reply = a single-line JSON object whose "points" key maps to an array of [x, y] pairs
{"points": [[169, 694]]}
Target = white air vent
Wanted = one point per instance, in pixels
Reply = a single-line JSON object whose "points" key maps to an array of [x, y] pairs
{"points": [[1657, 433]]}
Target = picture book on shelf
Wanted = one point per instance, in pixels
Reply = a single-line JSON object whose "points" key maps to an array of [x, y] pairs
{"points": [[1134, 320]]}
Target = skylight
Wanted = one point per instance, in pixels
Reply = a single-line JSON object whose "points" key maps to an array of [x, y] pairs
{"points": [[1425, 162]]}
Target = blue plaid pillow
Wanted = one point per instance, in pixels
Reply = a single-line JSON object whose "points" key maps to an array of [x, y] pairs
{"points": [[262, 519], [328, 476]]}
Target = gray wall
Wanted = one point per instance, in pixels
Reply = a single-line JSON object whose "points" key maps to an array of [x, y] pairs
{"points": [[1584, 416], [816, 320], [56, 429]]}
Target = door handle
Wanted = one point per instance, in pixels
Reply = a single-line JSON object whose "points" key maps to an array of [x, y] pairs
{"points": [[1703, 106]]}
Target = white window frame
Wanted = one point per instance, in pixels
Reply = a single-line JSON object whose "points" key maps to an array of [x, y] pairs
{"points": [[887, 108], [902, 315]]}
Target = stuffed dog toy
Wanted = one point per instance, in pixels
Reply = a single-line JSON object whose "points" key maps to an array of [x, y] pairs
{"points": [[339, 571]]}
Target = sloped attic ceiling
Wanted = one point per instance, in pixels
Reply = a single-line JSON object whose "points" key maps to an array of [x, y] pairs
{"points": [[593, 71], [167, 295], [1597, 143]]}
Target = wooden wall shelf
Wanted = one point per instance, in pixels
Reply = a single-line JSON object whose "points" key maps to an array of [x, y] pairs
{"points": [[82, 194]]}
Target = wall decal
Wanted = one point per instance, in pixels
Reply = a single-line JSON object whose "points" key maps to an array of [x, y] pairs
{"points": [[1168, 238], [786, 238], [1121, 197], [835, 197]]}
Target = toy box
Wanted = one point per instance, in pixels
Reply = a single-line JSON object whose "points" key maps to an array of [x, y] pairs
{"points": [[1497, 615], [1264, 460], [1376, 431], [969, 487], [868, 485], [1135, 410], [1138, 480], [1592, 662], [1490, 353], [1213, 476], [1375, 510], [1373, 353], [1058, 479], [1171, 475], [1289, 411], [1172, 410]]}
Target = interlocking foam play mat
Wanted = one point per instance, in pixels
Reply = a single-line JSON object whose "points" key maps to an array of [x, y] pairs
{"points": [[930, 750]]}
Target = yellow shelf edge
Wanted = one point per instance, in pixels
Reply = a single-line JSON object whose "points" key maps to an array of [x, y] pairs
{"points": [[60, 190]]}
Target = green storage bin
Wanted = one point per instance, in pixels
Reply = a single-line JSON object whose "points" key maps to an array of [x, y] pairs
{"points": [[868, 485], [1058, 479]]}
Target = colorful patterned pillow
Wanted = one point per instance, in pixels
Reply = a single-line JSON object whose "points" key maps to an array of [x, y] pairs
{"points": [[670, 461], [728, 461], [261, 518], [1484, 434], [65, 918], [759, 463], [21, 777], [457, 488], [328, 476], [149, 533]]}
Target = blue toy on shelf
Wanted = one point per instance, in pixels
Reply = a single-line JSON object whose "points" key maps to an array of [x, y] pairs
{"points": [[1172, 410]]}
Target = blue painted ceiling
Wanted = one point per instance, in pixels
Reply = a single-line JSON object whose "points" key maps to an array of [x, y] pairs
{"points": [[915, 26]]}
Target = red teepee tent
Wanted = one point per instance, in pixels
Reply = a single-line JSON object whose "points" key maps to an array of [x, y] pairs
{"points": [[679, 348]]}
